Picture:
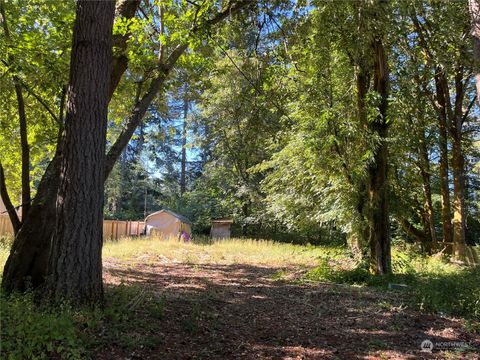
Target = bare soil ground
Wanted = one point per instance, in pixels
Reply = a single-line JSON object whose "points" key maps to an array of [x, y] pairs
{"points": [[239, 311]]}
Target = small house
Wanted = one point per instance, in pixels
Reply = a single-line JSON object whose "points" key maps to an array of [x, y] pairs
{"points": [[167, 224], [221, 229]]}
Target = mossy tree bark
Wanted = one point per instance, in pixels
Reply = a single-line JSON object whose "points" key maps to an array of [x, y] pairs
{"points": [[379, 229]]}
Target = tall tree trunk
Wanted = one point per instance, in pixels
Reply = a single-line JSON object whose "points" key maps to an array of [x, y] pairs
{"points": [[75, 262], [358, 239], [183, 184], [459, 245], [443, 145], [379, 237], [458, 165], [427, 190], [443, 108], [27, 263], [474, 7]]}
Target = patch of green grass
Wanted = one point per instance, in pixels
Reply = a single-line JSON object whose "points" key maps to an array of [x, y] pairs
{"points": [[377, 344], [128, 320], [128, 317], [435, 284], [279, 275], [385, 305], [450, 293], [30, 332]]}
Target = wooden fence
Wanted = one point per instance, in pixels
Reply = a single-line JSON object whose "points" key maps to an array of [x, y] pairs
{"points": [[6, 227], [116, 229], [112, 229]]}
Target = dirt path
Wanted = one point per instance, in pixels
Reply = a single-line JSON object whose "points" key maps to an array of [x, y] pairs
{"points": [[240, 311]]}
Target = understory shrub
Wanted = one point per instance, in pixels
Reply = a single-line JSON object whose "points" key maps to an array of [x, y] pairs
{"points": [[128, 319], [30, 332], [435, 284], [453, 293]]}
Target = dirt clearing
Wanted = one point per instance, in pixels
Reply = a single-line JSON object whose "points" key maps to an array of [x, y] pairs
{"points": [[228, 311]]}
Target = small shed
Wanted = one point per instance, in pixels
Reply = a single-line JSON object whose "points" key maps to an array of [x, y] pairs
{"points": [[221, 229], [166, 224]]}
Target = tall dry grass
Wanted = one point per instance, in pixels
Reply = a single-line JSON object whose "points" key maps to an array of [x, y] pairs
{"points": [[228, 251]]}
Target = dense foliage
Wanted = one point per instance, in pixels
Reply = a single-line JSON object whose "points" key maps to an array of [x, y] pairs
{"points": [[274, 139], [351, 122]]}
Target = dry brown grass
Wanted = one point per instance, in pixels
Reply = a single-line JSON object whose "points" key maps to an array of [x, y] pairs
{"points": [[231, 251]]}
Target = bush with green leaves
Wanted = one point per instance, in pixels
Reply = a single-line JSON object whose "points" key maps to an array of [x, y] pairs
{"points": [[435, 284], [451, 293], [30, 332]]}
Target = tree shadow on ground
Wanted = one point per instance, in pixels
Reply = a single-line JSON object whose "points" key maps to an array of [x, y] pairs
{"points": [[212, 311]]}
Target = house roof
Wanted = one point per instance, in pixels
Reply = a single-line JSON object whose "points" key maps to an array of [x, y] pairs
{"points": [[179, 217]]}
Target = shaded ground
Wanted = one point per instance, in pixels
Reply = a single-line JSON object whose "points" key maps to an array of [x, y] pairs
{"points": [[240, 311]]}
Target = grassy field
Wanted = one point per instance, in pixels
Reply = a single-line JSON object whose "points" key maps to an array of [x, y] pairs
{"points": [[405, 260], [232, 251], [321, 263], [245, 251], [159, 292], [306, 263]]}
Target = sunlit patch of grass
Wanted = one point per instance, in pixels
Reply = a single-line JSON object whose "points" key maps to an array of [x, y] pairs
{"points": [[228, 251]]}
